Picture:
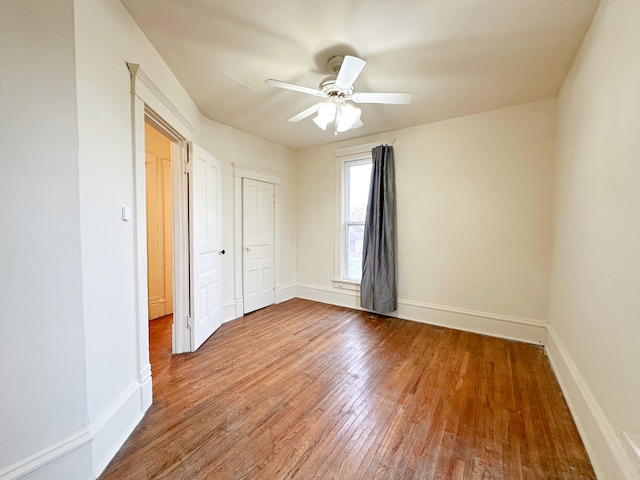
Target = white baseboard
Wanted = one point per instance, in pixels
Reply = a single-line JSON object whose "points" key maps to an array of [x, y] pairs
{"points": [[493, 324], [68, 458], [239, 307], [485, 323], [113, 427], [229, 312], [605, 448], [233, 310], [285, 293], [85, 454], [146, 389]]}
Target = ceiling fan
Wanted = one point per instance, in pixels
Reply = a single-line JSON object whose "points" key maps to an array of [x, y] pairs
{"points": [[336, 92]]}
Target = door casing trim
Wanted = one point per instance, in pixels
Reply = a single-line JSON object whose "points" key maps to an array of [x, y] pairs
{"points": [[241, 171], [149, 102]]}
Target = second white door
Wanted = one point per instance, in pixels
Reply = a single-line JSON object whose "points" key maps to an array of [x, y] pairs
{"points": [[206, 218], [258, 201]]}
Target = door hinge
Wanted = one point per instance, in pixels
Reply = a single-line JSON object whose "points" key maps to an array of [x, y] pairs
{"points": [[186, 167], [189, 322]]}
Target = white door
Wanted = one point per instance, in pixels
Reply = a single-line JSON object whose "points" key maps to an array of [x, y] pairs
{"points": [[206, 221], [257, 240]]}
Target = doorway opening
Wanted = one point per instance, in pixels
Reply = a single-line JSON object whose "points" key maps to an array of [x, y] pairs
{"points": [[164, 196], [159, 222], [159, 214]]}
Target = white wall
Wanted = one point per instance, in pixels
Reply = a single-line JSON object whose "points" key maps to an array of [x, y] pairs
{"points": [[595, 296], [474, 198], [42, 373]]}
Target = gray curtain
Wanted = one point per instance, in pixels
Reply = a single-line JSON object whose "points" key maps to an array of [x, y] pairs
{"points": [[378, 285]]}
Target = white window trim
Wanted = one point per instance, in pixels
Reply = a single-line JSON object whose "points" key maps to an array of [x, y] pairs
{"points": [[343, 155]]}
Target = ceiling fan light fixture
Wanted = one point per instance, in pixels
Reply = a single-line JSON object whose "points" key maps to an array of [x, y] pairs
{"points": [[327, 111], [326, 115], [321, 122], [336, 91], [346, 117]]}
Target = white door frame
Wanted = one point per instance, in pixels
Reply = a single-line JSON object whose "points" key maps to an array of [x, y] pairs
{"points": [[147, 100], [241, 171], [180, 150]]}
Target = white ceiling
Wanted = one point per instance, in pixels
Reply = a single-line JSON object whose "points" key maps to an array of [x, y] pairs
{"points": [[457, 57]]}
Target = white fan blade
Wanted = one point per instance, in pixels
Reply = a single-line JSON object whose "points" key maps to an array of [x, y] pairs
{"points": [[291, 86], [305, 113], [358, 124], [349, 71], [392, 98]]}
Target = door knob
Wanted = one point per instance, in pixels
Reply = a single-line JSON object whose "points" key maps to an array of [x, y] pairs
{"points": [[222, 252], [248, 249]]}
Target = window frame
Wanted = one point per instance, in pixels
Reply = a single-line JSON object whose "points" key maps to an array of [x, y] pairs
{"points": [[345, 221], [357, 154]]}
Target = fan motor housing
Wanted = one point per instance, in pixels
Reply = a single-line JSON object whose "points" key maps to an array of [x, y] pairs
{"points": [[328, 87]]}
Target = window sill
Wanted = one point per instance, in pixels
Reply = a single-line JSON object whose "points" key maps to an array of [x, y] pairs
{"points": [[346, 284]]}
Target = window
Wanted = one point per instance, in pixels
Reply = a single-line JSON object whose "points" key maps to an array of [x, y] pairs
{"points": [[353, 177], [357, 176]]}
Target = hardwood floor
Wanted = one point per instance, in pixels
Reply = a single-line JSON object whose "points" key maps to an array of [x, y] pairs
{"points": [[160, 338], [304, 390]]}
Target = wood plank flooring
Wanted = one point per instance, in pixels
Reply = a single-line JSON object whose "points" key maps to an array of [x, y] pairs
{"points": [[304, 390]]}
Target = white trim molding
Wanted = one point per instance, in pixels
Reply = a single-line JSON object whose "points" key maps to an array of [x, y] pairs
{"points": [[485, 323], [476, 321], [228, 312], [285, 293], [145, 380], [255, 173], [146, 88], [91, 448], [608, 456], [362, 148], [346, 284], [113, 427], [239, 307], [59, 460]]}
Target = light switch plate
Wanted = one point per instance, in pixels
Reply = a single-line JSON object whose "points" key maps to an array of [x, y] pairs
{"points": [[126, 213]]}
